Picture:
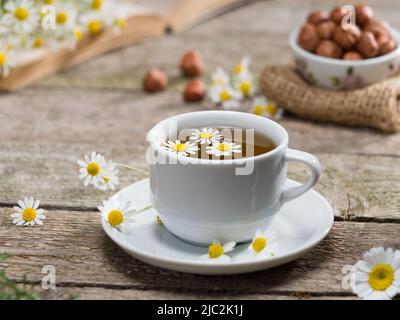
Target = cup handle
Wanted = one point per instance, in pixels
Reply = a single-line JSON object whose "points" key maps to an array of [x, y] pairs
{"points": [[315, 170]]}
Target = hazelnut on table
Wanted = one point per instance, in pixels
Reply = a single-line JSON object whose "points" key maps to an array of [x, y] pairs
{"points": [[328, 48], [192, 64], [155, 80], [194, 91], [308, 37]]}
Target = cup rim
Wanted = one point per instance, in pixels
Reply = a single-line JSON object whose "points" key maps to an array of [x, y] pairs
{"points": [[188, 160], [331, 61]]}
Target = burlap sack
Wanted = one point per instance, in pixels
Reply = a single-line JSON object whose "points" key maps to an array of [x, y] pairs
{"points": [[376, 106]]}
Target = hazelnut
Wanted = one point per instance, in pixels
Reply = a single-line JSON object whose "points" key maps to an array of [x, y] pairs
{"points": [[346, 38], [367, 45], [378, 28], [325, 29], [155, 80], [328, 48], [308, 38], [317, 16], [337, 15], [194, 91], [386, 45], [364, 13], [352, 55], [192, 64]]}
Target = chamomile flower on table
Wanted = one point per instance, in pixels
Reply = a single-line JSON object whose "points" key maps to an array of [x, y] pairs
{"points": [[263, 107], [226, 96], [7, 60], [96, 5], [225, 149], [117, 214], [377, 276], [220, 77], [28, 212], [109, 179], [205, 136], [217, 252], [65, 20], [93, 168], [181, 148], [21, 15], [263, 243], [245, 84], [93, 22], [243, 67]]}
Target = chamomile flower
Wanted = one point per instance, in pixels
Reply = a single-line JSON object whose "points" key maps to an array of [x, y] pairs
{"points": [[96, 5], [181, 148], [93, 23], [93, 169], [65, 20], [263, 243], [245, 84], [216, 251], [225, 95], [21, 15], [7, 60], [109, 179], [205, 136], [117, 214], [225, 149], [220, 77], [28, 213], [377, 276], [263, 107], [243, 67]]}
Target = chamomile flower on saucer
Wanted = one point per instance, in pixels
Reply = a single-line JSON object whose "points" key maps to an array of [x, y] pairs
{"points": [[93, 169], [220, 77], [263, 243], [117, 214], [181, 148], [21, 15], [216, 251], [109, 179], [7, 60], [205, 136], [243, 67], [28, 212], [245, 84], [377, 276], [225, 149], [226, 96], [269, 109]]}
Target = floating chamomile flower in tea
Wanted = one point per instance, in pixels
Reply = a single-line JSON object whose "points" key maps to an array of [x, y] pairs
{"points": [[181, 148], [28, 212], [225, 149], [205, 135], [217, 252]]}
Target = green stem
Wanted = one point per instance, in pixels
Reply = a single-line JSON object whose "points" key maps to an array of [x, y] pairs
{"points": [[141, 210], [145, 172]]}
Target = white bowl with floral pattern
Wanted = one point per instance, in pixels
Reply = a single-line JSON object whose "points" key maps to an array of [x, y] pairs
{"points": [[340, 74]]}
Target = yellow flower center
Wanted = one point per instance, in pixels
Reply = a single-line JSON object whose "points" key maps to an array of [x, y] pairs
{"points": [[238, 69], [38, 42], [3, 58], [206, 135], [224, 147], [49, 1], [245, 87], [93, 169], [120, 23], [271, 109], [106, 180], [215, 250], [258, 110], [21, 13], [381, 277], [61, 18], [95, 27], [180, 147], [115, 218], [78, 34], [224, 95], [259, 244], [97, 4], [29, 214]]}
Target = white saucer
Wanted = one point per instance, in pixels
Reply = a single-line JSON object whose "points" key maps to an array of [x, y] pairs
{"points": [[299, 226]]}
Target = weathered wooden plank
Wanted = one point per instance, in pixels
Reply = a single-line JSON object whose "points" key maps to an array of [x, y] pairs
{"points": [[74, 243]]}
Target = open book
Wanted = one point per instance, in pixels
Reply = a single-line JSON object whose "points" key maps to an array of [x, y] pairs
{"points": [[145, 19]]}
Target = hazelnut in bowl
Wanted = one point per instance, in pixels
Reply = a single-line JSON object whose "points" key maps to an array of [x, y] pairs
{"points": [[333, 57]]}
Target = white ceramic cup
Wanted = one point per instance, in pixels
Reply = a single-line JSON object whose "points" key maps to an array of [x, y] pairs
{"points": [[202, 200]]}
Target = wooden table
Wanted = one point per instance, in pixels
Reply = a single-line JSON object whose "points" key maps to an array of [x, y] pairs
{"points": [[100, 106]]}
